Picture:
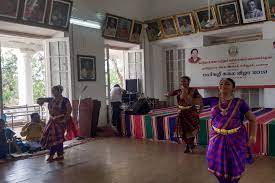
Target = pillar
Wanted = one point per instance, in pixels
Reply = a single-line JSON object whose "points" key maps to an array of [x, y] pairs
{"points": [[25, 88]]}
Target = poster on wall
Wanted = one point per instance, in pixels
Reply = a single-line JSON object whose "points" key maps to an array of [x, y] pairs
{"points": [[123, 29], [60, 13], [35, 10], [137, 28], [252, 10], [205, 22], [9, 8], [228, 14], [168, 26], [185, 24], [86, 68], [110, 26], [270, 9], [250, 64], [153, 30]]}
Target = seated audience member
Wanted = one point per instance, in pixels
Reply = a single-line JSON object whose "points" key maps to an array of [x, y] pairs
{"points": [[33, 132], [6, 137]]}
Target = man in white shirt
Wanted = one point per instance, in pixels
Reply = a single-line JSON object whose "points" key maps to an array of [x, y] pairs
{"points": [[116, 100]]}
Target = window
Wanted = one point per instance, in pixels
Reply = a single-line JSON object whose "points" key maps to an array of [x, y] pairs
{"points": [[59, 68], [135, 68], [175, 59], [251, 96]]}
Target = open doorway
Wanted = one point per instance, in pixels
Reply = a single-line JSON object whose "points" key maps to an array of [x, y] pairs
{"points": [[29, 68], [123, 65]]}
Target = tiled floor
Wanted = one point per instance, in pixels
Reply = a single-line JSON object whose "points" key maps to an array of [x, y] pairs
{"points": [[121, 160]]}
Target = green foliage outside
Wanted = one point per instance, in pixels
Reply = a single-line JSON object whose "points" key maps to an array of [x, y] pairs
{"points": [[38, 78], [10, 78]]}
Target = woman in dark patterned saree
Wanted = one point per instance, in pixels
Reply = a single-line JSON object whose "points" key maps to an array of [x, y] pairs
{"points": [[187, 125], [60, 114]]}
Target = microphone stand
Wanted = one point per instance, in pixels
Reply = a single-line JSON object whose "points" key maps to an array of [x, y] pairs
{"points": [[79, 99]]}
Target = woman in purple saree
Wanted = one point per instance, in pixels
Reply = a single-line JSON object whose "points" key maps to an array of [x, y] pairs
{"points": [[228, 139]]}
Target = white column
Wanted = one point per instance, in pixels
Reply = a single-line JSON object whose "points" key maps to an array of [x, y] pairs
{"points": [[25, 82]]}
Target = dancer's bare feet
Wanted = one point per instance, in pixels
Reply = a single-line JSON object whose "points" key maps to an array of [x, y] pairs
{"points": [[50, 159]]}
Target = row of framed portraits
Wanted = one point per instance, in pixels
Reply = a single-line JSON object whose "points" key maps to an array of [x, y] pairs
{"points": [[122, 29], [226, 14], [53, 14]]}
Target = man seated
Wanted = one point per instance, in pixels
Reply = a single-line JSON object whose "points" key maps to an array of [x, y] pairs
{"points": [[6, 138], [33, 132]]}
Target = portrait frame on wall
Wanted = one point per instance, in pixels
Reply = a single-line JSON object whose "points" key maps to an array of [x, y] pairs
{"points": [[168, 26], [10, 10], [185, 24], [228, 13], [137, 29], [86, 67], [153, 30], [252, 11], [124, 27], [110, 26], [35, 11], [60, 13], [270, 9], [201, 16]]}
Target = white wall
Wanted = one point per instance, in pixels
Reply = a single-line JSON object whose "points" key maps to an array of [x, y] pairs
{"points": [[269, 93], [89, 9], [197, 40], [155, 63], [160, 8], [136, 9], [85, 41]]}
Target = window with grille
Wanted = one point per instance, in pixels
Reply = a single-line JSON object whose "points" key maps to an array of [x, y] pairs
{"points": [[251, 96], [134, 68], [175, 59]]}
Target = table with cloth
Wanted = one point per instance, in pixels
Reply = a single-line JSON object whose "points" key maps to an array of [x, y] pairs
{"points": [[159, 125]]}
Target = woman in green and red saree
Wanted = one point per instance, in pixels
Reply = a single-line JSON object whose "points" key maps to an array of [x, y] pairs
{"points": [[229, 145], [187, 125], [60, 115]]}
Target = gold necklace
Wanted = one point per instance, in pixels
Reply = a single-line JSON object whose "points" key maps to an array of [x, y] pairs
{"points": [[224, 111]]}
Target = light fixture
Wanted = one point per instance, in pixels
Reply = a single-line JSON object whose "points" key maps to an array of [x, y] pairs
{"points": [[87, 23]]}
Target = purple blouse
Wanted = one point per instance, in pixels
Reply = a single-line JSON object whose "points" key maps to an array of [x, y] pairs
{"points": [[218, 120]]}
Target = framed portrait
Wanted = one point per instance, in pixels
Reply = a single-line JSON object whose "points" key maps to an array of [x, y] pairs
{"points": [[185, 24], [86, 68], [204, 22], [123, 30], [60, 13], [9, 8], [228, 14], [252, 11], [270, 9], [137, 29], [153, 30], [110, 26], [35, 10], [168, 26], [194, 56]]}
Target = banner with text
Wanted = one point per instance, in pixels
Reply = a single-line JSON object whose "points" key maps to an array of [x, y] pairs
{"points": [[250, 64]]}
